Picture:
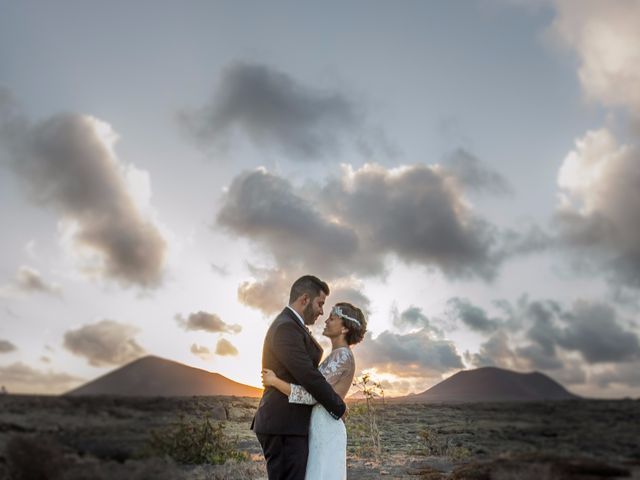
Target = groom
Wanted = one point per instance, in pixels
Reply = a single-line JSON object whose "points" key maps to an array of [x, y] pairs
{"points": [[293, 354]]}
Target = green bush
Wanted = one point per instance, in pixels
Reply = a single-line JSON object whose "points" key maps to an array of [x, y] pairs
{"points": [[195, 442]]}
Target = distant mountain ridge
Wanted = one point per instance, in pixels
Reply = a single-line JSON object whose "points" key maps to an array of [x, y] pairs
{"points": [[153, 376], [492, 384]]}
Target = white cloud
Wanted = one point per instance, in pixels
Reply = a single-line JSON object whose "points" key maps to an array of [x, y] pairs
{"points": [[606, 37], [599, 203]]}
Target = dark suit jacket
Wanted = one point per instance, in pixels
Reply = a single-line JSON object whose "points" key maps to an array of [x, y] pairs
{"points": [[293, 354]]}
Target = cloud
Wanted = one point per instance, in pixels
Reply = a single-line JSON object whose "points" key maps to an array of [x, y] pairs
{"points": [[269, 292], [408, 355], [416, 213], [265, 208], [413, 318], [225, 348], [594, 331], [599, 201], [276, 113], [606, 38], [103, 343], [6, 346], [474, 175], [621, 374], [201, 351], [472, 316], [352, 224], [221, 270], [546, 336], [208, 322], [495, 351], [68, 163], [20, 378], [544, 333], [29, 280]]}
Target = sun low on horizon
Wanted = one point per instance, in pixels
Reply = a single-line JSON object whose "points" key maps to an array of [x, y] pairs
{"points": [[466, 173]]}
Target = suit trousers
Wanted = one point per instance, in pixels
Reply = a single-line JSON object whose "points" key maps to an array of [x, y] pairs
{"points": [[286, 455]]}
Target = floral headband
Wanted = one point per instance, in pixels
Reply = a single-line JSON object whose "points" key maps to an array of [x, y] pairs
{"points": [[338, 312]]}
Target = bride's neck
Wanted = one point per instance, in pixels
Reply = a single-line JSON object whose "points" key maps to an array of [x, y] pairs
{"points": [[338, 342]]}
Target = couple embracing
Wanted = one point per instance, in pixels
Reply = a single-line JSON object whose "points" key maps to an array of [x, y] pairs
{"points": [[299, 420]]}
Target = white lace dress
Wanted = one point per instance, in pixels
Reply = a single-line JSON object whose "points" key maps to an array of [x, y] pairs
{"points": [[327, 436]]}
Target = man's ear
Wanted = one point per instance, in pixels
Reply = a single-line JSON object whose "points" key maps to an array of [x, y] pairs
{"points": [[305, 299]]}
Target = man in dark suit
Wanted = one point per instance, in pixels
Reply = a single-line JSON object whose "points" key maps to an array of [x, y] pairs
{"points": [[293, 354]]}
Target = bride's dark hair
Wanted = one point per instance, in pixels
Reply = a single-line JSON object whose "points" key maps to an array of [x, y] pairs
{"points": [[355, 332]]}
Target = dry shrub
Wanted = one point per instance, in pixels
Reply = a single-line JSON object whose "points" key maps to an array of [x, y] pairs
{"points": [[31, 457], [436, 444], [195, 442]]}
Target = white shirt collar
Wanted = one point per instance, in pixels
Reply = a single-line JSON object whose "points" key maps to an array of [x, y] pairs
{"points": [[297, 316]]}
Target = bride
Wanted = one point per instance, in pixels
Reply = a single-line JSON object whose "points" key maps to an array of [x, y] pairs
{"points": [[327, 460]]}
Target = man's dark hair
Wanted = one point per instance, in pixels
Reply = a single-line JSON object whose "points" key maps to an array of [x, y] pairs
{"points": [[308, 284]]}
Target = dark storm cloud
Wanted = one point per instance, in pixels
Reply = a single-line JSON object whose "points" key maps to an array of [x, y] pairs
{"points": [[473, 316], [411, 318], [410, 354], [103, 343], [591, 328], [475, 175], [225, 348], [350, 291], [539, 358], [594, 330], [495, 352], [539, 334], [264, 208], [350, 226], [67, 163], [23, 378], [416, 213], [543, 334], [6, 346], [208, 322], [275, 112]]}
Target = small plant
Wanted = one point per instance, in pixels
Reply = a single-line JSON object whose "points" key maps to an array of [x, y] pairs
{"points": [[363, 420], [439, 445], [195, 442]]}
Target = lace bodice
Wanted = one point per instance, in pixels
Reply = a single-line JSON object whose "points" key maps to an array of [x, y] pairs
{"points": [[338, 368]]}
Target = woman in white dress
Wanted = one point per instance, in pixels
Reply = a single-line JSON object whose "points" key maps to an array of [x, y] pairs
{"points": [[327, 459]]}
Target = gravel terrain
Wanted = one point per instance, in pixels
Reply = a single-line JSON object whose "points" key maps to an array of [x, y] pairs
{"points": [[104, 437]]}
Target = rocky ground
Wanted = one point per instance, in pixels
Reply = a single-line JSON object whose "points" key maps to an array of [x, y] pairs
{"points": [[108, 437]]}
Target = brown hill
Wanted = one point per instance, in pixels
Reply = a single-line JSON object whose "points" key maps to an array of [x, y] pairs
{"points": [[158, 377], [491, 384]]}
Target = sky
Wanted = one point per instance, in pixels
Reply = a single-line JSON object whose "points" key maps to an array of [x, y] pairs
{"points": [[468, 173]]}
